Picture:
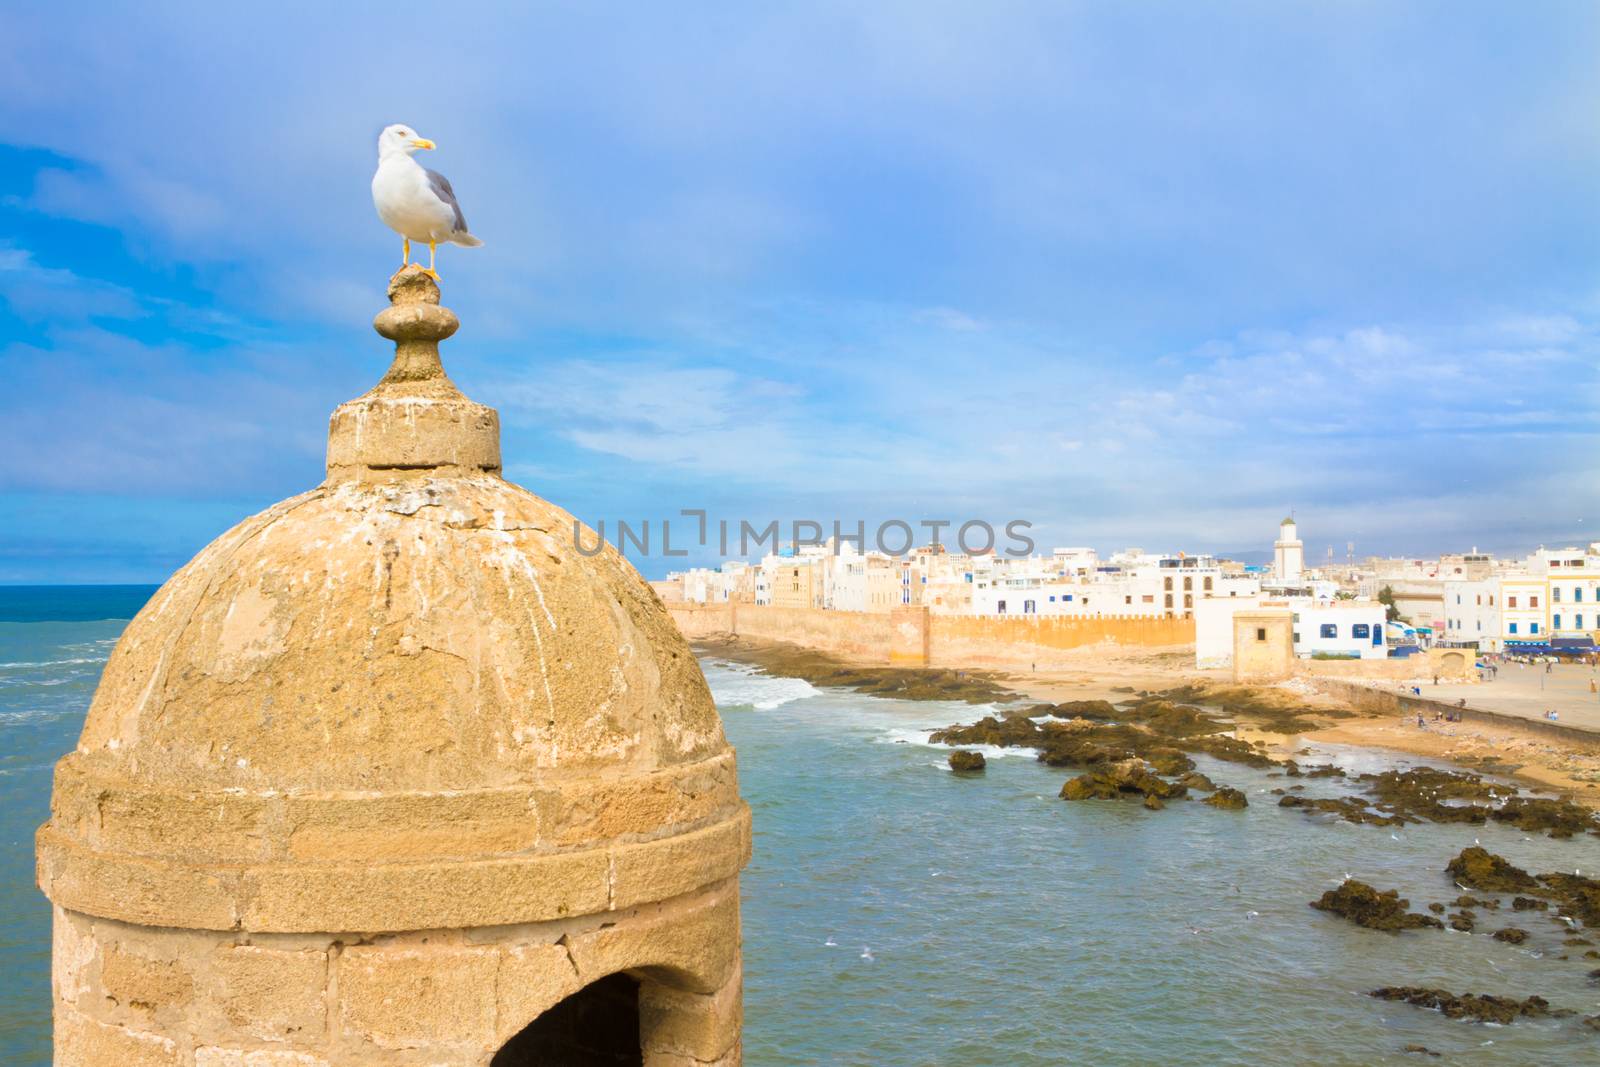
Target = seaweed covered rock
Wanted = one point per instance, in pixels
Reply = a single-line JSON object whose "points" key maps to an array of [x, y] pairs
{"points": [[1365, 906], [1559, 818], [1511, 935], [1350, 809], [1080, 709], [1113, 780], [1198, 782], [1463, 921], [1529, 904], [1276, 710], [1227, 798], [1483, 1008], [1478, 868], [963, 762], [1578, 895], [1012, 731]]}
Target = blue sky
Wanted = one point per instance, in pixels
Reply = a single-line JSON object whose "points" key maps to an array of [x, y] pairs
{"points": [[1140, 274]]}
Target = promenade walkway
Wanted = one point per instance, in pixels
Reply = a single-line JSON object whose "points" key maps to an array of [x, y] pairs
{"points": [[1528, 692]]}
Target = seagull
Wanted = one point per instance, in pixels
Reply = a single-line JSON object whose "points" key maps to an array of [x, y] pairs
{"points": [[830, 943], [866, 953], [413, 201]]}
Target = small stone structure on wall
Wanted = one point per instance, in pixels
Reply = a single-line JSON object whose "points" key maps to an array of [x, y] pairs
{"points": [[1263, 645], [391, 774]]}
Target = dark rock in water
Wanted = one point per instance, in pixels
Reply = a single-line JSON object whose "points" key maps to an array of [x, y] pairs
{"points": [[989, 730], [1115, 779], [1529, 904], [1592, 1022], [1558, 818], [1081, 709], [1478, 868], [1365, 906], [1123, 689], [1227, 798], [1198, 782], [1268, 709], [1465, 901], [1511, 935], [1326, 770], [819, 668], [1577, 895], [1420, 1050], [1291, 768], [1420, 793], [967, 762], [1483, 1008], [1350, 809], [1436, 907], [1276, 792], [1463, 921], [1154, 803]]}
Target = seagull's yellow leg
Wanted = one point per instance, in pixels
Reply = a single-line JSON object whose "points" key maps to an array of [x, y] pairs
{"points": [[432, 247], [405, 253]]}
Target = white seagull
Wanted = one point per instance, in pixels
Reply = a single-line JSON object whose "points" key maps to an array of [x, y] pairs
{"points": [[413, 201]]}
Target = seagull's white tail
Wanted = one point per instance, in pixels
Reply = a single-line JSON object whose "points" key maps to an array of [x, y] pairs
{"points": [[465, 239]]}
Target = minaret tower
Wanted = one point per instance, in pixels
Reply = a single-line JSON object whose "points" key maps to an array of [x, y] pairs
{"points": [[391, 774], [1288, 553]]}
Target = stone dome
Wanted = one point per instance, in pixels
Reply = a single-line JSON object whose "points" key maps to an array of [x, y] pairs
{"points": [[414, 664]]}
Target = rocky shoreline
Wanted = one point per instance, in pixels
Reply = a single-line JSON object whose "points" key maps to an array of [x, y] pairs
{"points": [[1140, 745]]}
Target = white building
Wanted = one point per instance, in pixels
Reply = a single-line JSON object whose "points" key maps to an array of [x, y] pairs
{"points": [[1342, 628], [1472, 612], [1345, 629]]}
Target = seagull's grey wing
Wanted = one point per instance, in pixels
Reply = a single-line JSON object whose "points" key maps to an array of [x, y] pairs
{"points": [[441, 188]]}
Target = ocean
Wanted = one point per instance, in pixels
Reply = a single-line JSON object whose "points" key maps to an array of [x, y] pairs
{"points": [[897, 914]]}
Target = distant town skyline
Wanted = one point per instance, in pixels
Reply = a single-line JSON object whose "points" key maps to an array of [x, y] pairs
{"points": [[1143, 275]]}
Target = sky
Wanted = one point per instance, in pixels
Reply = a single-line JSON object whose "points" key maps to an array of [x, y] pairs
{"points": [[1144, 274]]}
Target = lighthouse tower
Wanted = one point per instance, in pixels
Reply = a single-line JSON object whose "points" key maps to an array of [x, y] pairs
{"points": [[1288, 553], [390, 774]]}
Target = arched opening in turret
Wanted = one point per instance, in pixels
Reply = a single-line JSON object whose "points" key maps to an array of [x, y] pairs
{"points": [[598, 1026]]}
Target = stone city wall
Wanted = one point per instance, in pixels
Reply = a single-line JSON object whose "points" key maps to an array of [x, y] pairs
{"points": [[949, 640]]}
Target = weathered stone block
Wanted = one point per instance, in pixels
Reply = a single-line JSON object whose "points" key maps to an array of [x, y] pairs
{"points": [[144, 984], [697, 938], [81, 1040], [430, 995], [271, 993], [212, 1056], [660, 870], [531, 979], [704, 1026]]}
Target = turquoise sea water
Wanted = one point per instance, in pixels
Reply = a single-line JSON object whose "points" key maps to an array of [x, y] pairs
{"points": [[896, 914]]}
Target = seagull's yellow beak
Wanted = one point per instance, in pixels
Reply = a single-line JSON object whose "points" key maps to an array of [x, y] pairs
{"points": [[421, 142]]}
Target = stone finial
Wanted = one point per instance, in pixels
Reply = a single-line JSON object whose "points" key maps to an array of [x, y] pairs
{"points": [[416, 324], [415, 420]]}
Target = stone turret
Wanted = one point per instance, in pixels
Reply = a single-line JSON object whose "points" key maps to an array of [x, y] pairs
{"points": [[391, 774]]}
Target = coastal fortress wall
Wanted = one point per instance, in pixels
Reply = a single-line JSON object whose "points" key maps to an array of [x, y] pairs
{"points": [[950, 640], [1025, 640]]}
